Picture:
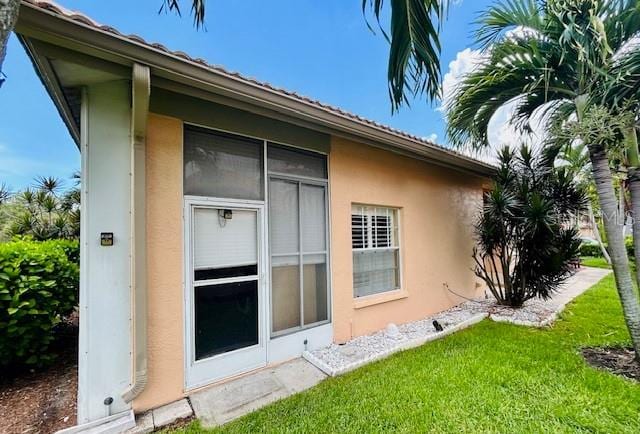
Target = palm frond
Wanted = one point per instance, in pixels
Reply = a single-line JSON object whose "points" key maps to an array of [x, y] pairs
{"points": [[621, 21], [623, 81], [516, 70], [414, 53], [508, 15], [197, 10]]}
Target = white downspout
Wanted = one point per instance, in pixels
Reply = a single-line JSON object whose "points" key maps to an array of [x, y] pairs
{"points": [[140, 93]]}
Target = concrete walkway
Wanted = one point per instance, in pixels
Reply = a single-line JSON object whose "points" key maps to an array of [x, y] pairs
{"points": [[222, 403], [541, 313]]}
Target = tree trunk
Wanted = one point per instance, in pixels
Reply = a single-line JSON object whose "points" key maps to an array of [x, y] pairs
{"points": [[633, 157], [596, 233], [634, 189], [619, 260], [8, 17]]}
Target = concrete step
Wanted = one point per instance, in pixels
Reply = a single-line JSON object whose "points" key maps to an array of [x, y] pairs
{"points": [[222, 403]]}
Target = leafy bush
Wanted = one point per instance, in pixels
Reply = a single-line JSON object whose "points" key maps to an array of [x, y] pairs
{"points": [[38, 286], [590, 249], [525, 240], [45, 211], [628, 243]]}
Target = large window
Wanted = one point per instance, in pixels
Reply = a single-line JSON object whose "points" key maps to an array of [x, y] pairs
{"points": [[298, 239], [376, 252], [222, 165]]}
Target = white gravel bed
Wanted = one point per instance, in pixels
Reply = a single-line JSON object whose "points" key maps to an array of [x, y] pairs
{"points": [[338, 359]]}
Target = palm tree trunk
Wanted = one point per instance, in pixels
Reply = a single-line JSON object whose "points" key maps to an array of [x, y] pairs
{"points": [[631, 144], [8, 17], [634, 189], [619, 260], [596, 233]]}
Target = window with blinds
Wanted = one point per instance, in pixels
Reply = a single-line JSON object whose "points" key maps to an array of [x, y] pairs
{"points": [[376, 252], [297, 193]]}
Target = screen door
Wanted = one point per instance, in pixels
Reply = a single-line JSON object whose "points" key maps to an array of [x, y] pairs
{"points": [[226, 292]]}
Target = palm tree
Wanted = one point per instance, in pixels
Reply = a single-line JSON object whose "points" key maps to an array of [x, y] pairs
{"points": [[5, 193], [553, 60], [574, 158], [414, 54]]}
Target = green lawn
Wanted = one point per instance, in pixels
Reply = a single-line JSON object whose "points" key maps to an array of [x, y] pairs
{"points": [[600, 262], [594, 261], [488, 378]]}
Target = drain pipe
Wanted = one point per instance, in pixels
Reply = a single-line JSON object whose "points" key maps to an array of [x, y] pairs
{"points": [[140, 92]]}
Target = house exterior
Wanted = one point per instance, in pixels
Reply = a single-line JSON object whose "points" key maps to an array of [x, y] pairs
{"points": [[228, 225]]}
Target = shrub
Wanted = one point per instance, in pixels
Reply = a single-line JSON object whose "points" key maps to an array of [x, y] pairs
{"points": [[38, 286], [628, 243], [525, 242], [590, 249]]}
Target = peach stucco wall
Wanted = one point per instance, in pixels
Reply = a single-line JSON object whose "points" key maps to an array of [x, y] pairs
{"points": [[437, 207], [165, 350]]}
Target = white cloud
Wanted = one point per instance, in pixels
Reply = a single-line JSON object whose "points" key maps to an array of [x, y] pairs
{"points": [[465, 61], [433, 137]]}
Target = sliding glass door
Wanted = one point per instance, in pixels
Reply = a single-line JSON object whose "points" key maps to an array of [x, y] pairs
{"points": [[298, 240], [256, 253]]}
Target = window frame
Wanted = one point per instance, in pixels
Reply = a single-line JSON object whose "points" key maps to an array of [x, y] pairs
{"points": [[266, 176], [300, 181], [396, 213]]}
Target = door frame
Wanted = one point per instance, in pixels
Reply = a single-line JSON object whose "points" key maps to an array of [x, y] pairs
{"points": [[192, 378]]}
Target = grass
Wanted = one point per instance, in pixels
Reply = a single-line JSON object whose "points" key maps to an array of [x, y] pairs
{"points": [[488, 378], [594, 261], [600, 262]]}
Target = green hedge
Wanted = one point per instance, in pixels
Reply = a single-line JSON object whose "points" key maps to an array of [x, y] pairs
{"points": [[38, 286], [590, 250], [594, 249], [628, 243]]}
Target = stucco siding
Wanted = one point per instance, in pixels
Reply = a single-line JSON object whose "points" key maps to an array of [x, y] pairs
{"points": [[437, 208], [165, 375]]}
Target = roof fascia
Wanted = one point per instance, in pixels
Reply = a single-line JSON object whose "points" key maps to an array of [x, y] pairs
{"points": [[51, 83], [77, 36]]}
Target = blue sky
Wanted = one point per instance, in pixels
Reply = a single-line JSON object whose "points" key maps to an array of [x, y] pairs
{"points": [[322, 49]]}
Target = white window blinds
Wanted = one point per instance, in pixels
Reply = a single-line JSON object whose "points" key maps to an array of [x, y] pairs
{"points": [[220, 242], [376, 253]]}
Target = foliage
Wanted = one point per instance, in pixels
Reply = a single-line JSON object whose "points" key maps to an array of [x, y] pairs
{"points": [[489, 378], [525, 239], [38, 286], [590, 249], [541, 57], [44, 211], [628, 244], [414, 38]]}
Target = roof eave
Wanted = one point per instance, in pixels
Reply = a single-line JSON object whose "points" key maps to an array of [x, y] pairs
{"points": [[42, 24]]}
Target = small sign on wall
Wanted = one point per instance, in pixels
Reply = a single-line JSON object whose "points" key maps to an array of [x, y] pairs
{"points": [[106, 239]]}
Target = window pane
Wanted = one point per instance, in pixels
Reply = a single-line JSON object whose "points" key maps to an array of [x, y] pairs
{"points": [[315, 288], [283, 216], [285, 293], [296, 162], [313, 219], [359, 228], [226, 317], [223, 273], [222, 242], [375, 271], [222, 165]]}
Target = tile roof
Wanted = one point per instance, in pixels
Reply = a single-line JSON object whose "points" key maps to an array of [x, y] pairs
{"points": [[81, 18]]}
